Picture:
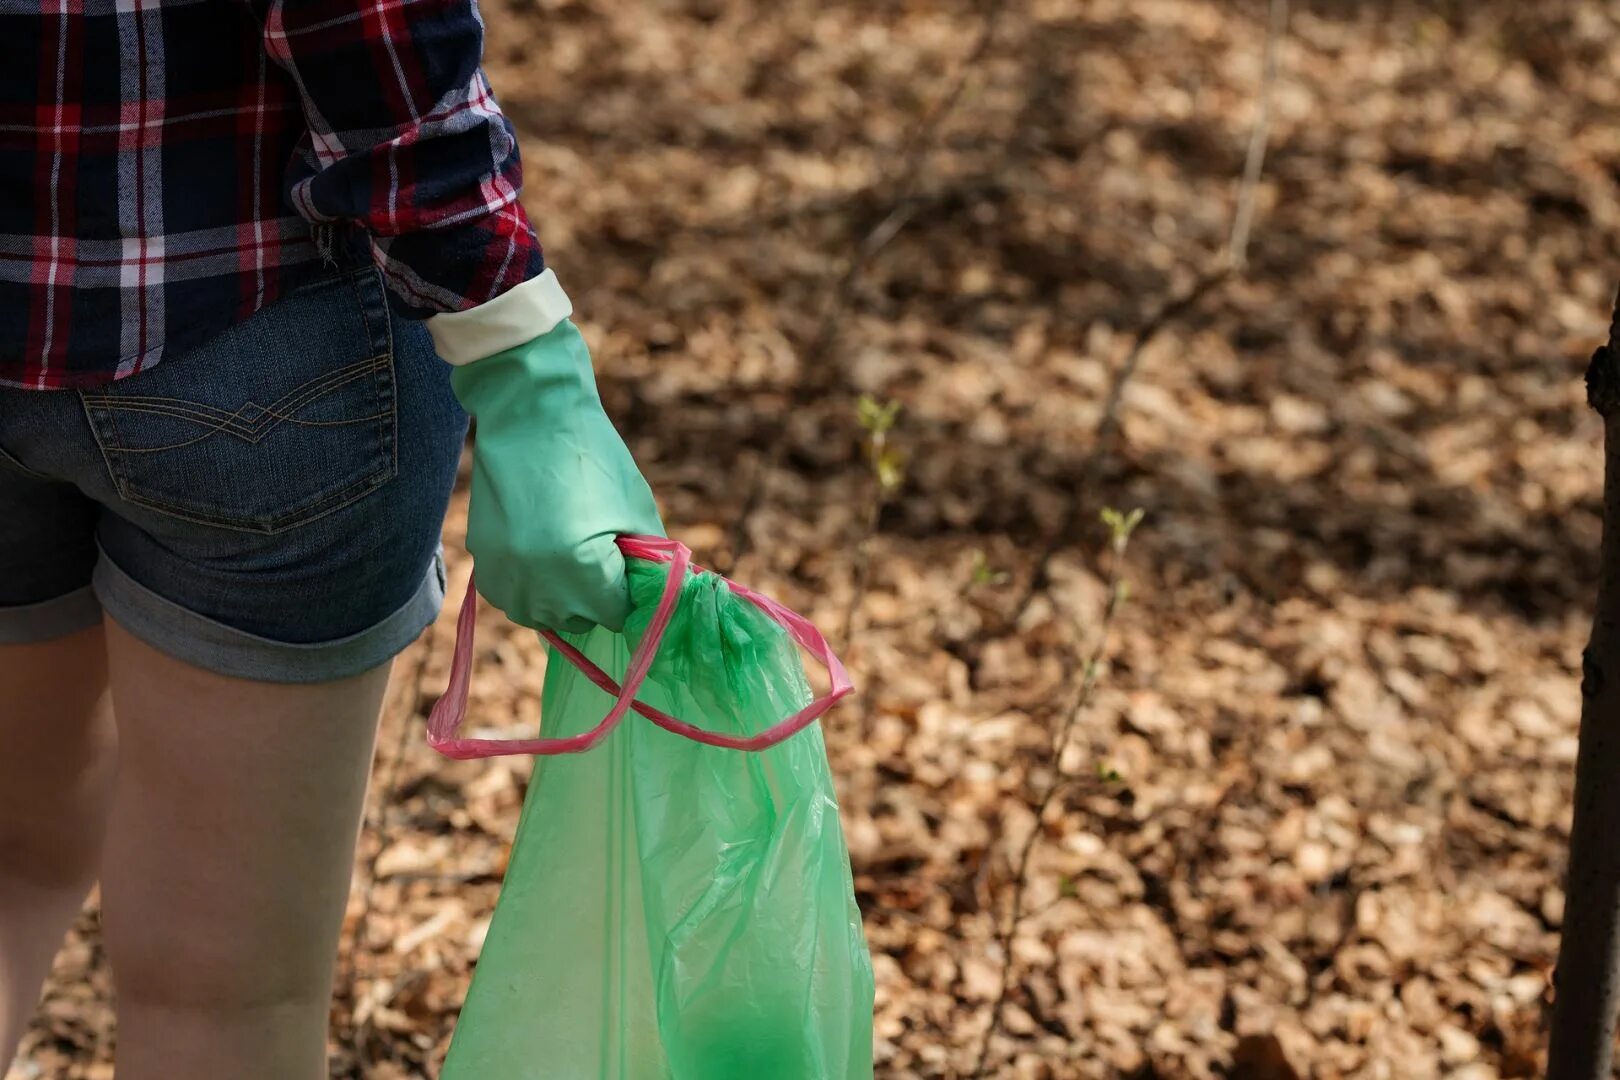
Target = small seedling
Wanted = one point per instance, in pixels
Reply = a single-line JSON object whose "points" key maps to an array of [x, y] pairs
{"points": [[1120, 526], [878, 418], [986, 574]]}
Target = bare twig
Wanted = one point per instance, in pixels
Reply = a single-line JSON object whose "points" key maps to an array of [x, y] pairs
{"points": [[1174, 307], [859, 578], [903, 204], [1587, 983], [863, 570], [1234, 260], [1108, 429], [908, 178], [1237, 246], [1116, 599]]}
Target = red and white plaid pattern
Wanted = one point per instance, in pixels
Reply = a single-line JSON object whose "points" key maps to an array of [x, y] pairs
{"points": [[164, 165]]}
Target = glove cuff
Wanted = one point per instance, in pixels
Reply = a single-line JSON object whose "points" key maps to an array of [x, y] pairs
{"points": [[517, 316]]}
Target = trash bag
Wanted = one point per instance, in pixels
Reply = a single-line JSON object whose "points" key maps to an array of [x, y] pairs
{"points": [[674, 907]]}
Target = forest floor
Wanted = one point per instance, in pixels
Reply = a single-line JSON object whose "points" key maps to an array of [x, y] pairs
{"points": [[1341, 698]]}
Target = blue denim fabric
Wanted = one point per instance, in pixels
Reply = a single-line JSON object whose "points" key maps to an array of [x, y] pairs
{"points": [[267, 505]]}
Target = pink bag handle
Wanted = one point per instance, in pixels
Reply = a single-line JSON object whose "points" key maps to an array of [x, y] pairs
{"points": [[451, 709]]}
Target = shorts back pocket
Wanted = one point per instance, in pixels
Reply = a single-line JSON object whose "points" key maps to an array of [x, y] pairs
{"points": [[283, 417]]}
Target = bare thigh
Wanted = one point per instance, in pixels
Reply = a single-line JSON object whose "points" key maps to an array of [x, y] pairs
{"points": [[229, 851]]}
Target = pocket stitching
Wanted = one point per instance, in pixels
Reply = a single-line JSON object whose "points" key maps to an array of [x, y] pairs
{"points": [[379, 366], [253, 440], [199, 413], [120, 483], [388, 440], [387, 425], [188, 409]]}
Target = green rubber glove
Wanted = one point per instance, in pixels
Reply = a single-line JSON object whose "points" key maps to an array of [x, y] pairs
{"points": [[553, 485]]}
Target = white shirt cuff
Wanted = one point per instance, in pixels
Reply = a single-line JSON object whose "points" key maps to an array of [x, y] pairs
{"points": [[518, 315]]}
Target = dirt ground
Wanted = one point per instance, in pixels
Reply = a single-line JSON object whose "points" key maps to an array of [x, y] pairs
{"points": [[1341, 699]]}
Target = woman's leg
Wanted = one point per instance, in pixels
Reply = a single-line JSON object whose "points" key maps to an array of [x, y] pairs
{"points": [[256, 578], [233, 831], [55, 777]]}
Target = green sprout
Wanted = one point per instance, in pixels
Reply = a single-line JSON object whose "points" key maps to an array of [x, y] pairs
{"points": [[1120, 526], [878, 419], [986, 574]]}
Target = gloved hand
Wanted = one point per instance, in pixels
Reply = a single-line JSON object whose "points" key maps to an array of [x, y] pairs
{"points": [[553, 484]]}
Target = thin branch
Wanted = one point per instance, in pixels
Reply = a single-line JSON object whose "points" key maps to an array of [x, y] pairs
{"points": [[907, 179], [863, 569], [1059, 780], [1237, 246], [1234, 261], [903, 205], [1108, 430]]}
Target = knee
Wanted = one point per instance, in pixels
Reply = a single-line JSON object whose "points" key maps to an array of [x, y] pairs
{"points": [[188, 1014], [163, 963], [53, 811]]}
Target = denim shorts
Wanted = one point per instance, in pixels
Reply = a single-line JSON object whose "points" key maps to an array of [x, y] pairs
{"points": [[267, 505]]}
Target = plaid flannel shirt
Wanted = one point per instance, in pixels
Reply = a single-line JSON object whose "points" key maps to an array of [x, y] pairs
{"points": [[168, 167]]}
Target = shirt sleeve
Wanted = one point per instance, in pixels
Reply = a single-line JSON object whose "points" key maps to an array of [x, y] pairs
{"points": [[407, 141]]}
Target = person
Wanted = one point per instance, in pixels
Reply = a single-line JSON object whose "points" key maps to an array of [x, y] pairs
{"points": [[256, 258]]}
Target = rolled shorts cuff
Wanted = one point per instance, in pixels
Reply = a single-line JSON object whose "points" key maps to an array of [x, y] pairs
{"points": [[50, 619], [211, 645]]}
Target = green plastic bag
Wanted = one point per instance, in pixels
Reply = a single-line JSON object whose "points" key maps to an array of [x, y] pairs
{"points": [[672, 909]]}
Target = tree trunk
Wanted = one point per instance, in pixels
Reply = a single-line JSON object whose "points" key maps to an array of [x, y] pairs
{"points": [[1587, 985]]}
